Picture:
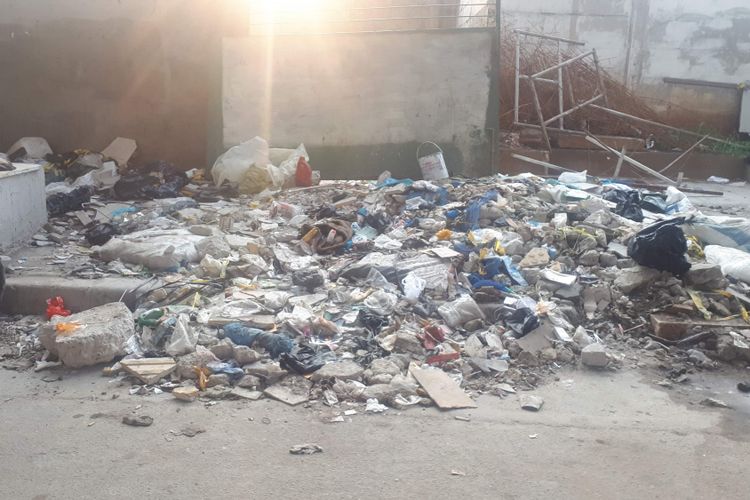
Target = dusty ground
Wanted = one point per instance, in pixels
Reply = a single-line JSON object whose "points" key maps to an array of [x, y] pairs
{"points": [[599, 435]]}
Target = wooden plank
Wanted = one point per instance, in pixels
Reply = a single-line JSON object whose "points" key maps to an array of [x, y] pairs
{"points": [[442, 389], [150, 370]]}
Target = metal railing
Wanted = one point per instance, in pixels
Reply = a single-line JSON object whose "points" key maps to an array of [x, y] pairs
{"points": [[357, 16]]}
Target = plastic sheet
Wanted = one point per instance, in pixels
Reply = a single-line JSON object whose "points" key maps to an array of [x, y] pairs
{"points": [[233, 165], [159, 250], [733, 262]]}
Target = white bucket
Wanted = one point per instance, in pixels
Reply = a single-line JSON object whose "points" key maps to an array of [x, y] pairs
{"points": [[432, 165]]}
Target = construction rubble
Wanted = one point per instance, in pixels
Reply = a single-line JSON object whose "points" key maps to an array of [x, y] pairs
{"points": [[386, 293]]}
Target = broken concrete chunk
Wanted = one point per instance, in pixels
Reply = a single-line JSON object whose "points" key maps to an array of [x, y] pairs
{"points": [[185, 393], [407, 342], [535, 258], [137, 420], [607, 260], [215, 246], [218, 379], [589, 258], [202, 230], [245, 356], [633, 278], [224, 350], [531, 403], [270, 371], [293, 390], [341, 370], [186, 365], [706, 277], [250, 382], [595, 356], [149, 370], [100, 335], [442, 389]]}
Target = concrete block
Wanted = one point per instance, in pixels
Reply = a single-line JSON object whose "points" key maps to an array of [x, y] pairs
{"points": [[23, 207], [101, 336], [341, 370], [594, 355]]}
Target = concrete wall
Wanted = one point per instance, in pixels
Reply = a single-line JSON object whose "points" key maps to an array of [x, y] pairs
{"points": [[643, 41], [22, 207], [83, 72], [362, 103]]}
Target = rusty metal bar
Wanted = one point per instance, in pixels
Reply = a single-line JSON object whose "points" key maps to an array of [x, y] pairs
{"points": [[548, 37], [539, 113], [574, 109], [564, 63], [620, 114]]}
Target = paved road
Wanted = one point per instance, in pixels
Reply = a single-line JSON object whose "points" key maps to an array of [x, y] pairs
{"points": [[599, 435]]}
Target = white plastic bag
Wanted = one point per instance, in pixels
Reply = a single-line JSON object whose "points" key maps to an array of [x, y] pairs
{"points": [[183, 339], [573, 177], [460, 311], [413, 287], [733, 262], [157, 249], [234, 164]]}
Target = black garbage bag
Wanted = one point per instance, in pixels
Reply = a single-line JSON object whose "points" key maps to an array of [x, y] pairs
{"points": [[522, 321], [661, 246], [155, 181], [101, 234], [628, 203], [654, 203], [303, 359], [62, 203]]}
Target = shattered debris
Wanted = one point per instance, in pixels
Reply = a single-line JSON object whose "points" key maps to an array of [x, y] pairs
{"points": [[384, 294]]}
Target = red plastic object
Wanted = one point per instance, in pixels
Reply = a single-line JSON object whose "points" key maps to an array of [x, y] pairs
{"points": [[303, 177], [56, 307], [432, 336], [442, 358]]}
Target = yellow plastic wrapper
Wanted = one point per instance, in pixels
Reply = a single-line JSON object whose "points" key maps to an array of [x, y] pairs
{"points": [[257, 179], [699, 304]]}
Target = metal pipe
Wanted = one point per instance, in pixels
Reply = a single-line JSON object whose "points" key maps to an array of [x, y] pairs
{"points": [[631, 161], [574, 109], [373, 19], [539, 113], [683, 155], [620, 114], [561, 104], [564, 63], [548, 37], [518, 78], [541, 163]]}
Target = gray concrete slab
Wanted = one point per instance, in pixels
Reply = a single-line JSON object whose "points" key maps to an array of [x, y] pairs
{"points": [[28, 294]]}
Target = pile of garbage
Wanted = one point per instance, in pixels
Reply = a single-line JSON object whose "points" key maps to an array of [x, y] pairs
{"points": [[396, 292]]}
